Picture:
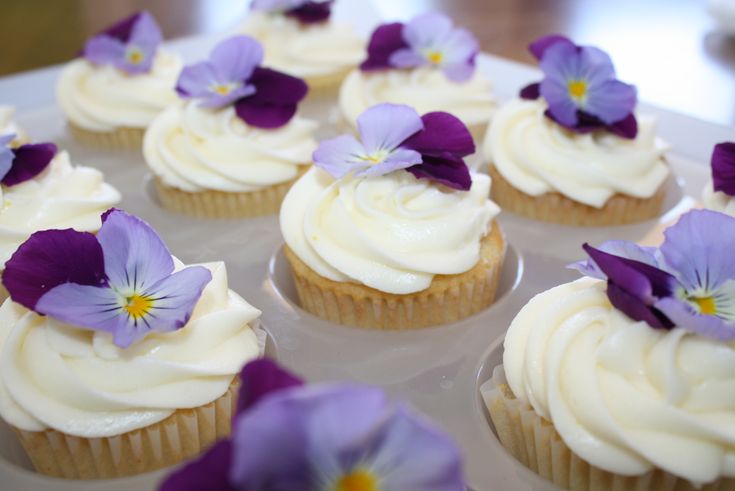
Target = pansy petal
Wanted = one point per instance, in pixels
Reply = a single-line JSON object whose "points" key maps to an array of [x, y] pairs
{"points": [[234, 59], [424, 30], [209, 472], [195, 80], [386, 126], [104, 50], [145, 32], [30, 160], [596, 65], [260, 378], [91, 307], [531, 91], [265, 115], [723, 167], [385, 40], [6, 154], [636, 308], [399, 158], [611, 101], [460, 47], [459, 72], [620, 248], [121, 30], [685, 315], [447, 169], [442, 132], [312, 12], [340, 156], [406, 58], [50, 258], [539, 47], [561, 62], [625, 128], [561, 106], [272, 86]]}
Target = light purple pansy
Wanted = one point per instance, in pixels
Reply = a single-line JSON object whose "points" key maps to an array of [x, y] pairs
{"points": [[723, 168], [395, 137], [427, 40], [331, 436], [121, 281], [580, 88], [25, 162], [688, 282], [262, 97], [305, 11], [129, 45], [6, 153]]}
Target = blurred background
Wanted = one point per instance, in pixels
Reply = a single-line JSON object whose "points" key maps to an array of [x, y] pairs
{"points": [[674, 51]]}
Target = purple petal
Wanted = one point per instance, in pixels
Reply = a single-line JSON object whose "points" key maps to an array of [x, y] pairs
{"points": [[636, 308], [234, 59], [399, 158], [196, 81], [611, 101], [447, 169], [122, 29], [260, 378], [561, 106], [386, 126], [385, 40], [341, 155], [275, 100], [459, 72], [723, 167], [619, 248], [104, 50], [145, 32], [312, 12], [85, 306], [531, 92], [406, 58], [423, 31], [684, 315], [210, 472], [267, 116], [460, 48], [586, 123], [48, 259], [625, 128], [442, 132], [30, 160], [6, 154], [539, 47]]}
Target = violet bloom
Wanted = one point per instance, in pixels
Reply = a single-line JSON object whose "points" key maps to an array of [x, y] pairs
{"points": [[330, 437], [580, 88], [121, 281], [130, 45], [723, 168], [25, 162], [689, 282], [6, 153], [304, 11]]}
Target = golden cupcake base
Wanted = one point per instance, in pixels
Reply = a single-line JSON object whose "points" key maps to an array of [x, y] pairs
{"points": [[120, 139], [557, 208], [449, 298]]}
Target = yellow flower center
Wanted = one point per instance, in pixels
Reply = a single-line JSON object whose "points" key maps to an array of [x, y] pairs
{"points": [[707, 305], [577, 88], [135, 56], [435, 57], [358, 480], [222, 89], [138, 306]]}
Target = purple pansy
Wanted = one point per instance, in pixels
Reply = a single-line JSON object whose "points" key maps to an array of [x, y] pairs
{"points": [[262, 97], [723, 168], [25, 162], [121, 281], [331, 436], [688, 282], [130, 45], [427, 40], [304, 11], [580, 88], [395, 137]]}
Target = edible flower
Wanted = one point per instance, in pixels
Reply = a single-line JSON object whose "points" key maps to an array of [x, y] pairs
{"points": [[130, 45], [580, 88], [23, 163], [723, 168], [121, 281], [688, 282], [395, 137], [326, 437], [427, 40], [304, 11], [262, 97]]}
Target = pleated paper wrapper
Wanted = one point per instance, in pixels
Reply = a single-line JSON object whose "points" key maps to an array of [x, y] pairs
{"points": [[119, 139]]}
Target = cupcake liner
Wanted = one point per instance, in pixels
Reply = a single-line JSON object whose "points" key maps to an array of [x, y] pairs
{"points": [[120, 139], [181, 436], [535, 442], [449, 298], [557, 208]]}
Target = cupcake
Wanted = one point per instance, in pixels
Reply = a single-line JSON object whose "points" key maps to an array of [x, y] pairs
{"points": [[41, 189], [119, 84], [116, 358], [301, 38], [621, 380], [233, 145], [8, 126], [719, 193], [570, 150], [394, 231], [426, 63]]}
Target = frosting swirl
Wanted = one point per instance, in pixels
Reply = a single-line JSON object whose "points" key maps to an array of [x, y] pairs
{"points": [[392, 233], [78, 382], [62, 196], [717, 200], [306, 51], [538, 156], [194, 149], [623, 396], [103, 98], [426, 89]]}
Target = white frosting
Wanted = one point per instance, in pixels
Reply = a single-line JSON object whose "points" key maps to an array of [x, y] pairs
{"points": [[717, 200], [196, 149], [62, 196], [78, 382], [8, 125], [103, 98], [392, 233], [623, 396], [426, 89], [538, 156], [316, 50]]}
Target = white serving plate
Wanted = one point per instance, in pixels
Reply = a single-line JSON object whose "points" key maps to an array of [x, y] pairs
{"points": [[438, 370]]}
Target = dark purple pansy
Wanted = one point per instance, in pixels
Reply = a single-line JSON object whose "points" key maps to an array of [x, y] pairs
{"points": [[25, 162], [262, 97], [304, 11], [580, 88], [121, 281], [723, 168], [331, 436], [130, 45], [394, 137], [427, 40]]}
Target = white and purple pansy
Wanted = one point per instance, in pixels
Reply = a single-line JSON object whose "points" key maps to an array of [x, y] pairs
{"points": [[121, 281], [304, 11], [395, 137], [723, 168], [688, 282], [580, 88], [329, 437], [262, 97], [427, 40], [25, 162], [130, 45]]}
